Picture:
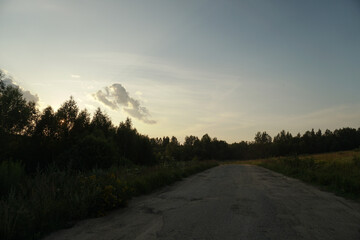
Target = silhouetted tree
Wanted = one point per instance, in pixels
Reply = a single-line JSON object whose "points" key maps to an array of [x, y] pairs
{"points": [[206, 150], [133, 146], [191, 148], [283, 143], [102, 122], [81, 124], [65, 117], [172, 150], [46, 125], [125, 140], [17, 116], [262, 138]]}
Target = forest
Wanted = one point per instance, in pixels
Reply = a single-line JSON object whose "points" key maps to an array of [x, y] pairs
{"points": [[70, 138]]}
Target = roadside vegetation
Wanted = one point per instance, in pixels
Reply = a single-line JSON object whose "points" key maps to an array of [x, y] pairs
{"points": [[53, 198], [338, 172], [57, 167]]}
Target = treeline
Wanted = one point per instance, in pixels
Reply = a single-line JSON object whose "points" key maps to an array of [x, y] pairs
{"points": [[70, 138], [263, 146]]}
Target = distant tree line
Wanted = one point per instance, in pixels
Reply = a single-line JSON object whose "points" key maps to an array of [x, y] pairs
{"points": [[70, 138], [263, 145]]}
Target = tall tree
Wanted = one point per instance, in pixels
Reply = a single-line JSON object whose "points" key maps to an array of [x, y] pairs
{"points": [[17, 116], [46, 124], [262, 138], [101, 121], [66, 116]]}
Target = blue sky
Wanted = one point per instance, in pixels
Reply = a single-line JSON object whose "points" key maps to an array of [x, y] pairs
{"points": [[227, 68]]}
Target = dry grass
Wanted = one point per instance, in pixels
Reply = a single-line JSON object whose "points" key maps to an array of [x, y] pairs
{"points": [[338, 172], [343, 156]]}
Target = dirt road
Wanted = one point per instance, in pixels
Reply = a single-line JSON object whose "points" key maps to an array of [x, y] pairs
{"points": [[228, 202]]}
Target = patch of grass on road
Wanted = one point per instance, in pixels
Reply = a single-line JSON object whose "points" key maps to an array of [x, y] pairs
{"points": [[55, 199], [338, 172]]}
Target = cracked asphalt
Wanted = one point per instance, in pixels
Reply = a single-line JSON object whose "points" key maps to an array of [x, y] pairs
{"points": [[227, 202]]}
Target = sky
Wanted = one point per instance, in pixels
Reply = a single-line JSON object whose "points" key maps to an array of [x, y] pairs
{"points": [[180, 68]]}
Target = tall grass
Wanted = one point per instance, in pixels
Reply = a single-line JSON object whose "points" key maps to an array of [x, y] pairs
{"points": [[336, 172], [55, 199]]}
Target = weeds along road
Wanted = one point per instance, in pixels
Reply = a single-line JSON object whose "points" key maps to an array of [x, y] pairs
{"points": [[228, 202]]}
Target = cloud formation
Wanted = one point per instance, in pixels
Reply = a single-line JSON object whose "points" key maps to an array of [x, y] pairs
{"points": [[116, 97], [9, 81]]}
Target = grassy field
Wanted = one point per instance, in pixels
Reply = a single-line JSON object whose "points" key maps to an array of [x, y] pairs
{"points": [[338, 172], [55, 199]]}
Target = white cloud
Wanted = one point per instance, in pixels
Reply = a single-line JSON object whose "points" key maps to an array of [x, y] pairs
{"points": [[116, 97], [75, 76]]}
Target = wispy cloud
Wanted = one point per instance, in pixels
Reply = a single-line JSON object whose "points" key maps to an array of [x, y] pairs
{"points": [[75, 76], [9, 81], [116, 97], [160, 70]]}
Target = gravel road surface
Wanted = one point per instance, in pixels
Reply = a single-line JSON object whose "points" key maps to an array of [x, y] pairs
{"points": [[228, 202]]}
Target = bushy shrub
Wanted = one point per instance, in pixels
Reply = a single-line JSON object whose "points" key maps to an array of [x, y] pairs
{"points": [[93, 152]]}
